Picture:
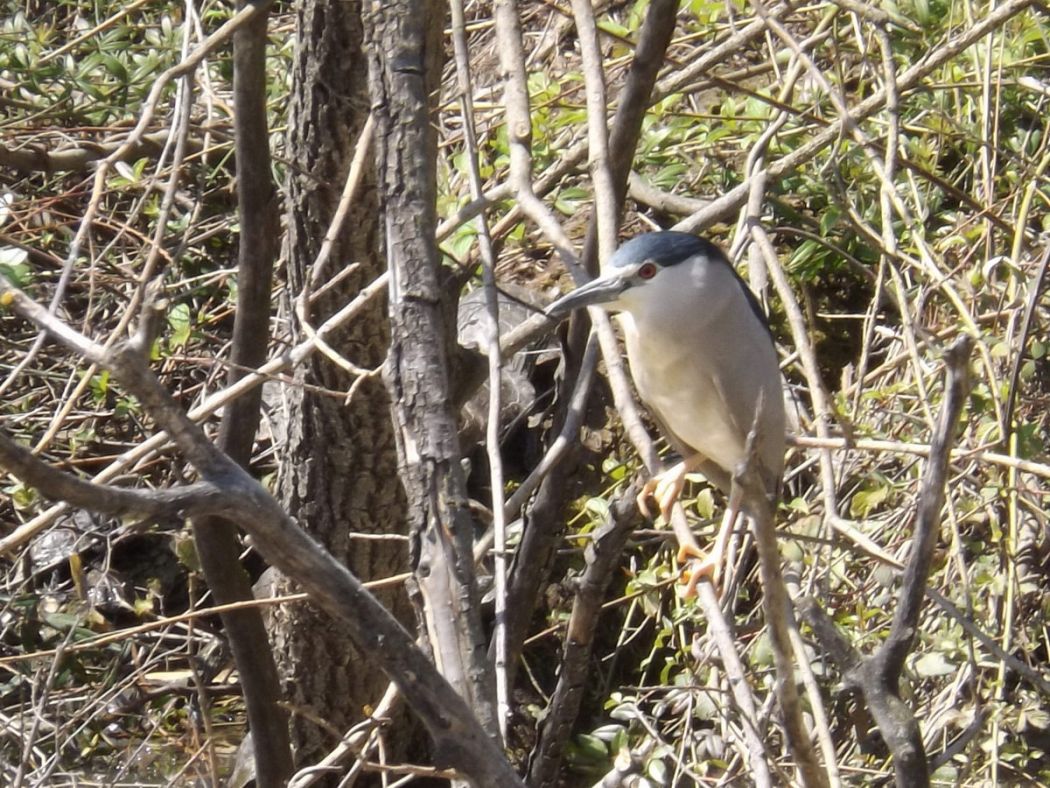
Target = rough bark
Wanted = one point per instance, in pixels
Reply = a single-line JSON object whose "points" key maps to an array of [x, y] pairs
{"points": [[339, 464], [404, 51], [216, 539]]}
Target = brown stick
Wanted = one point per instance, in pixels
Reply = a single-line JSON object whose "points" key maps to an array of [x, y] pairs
{"points": [[216, 538], [602, 556]]}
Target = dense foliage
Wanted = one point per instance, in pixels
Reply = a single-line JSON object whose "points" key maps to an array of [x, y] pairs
{"points": [[922, 218]]}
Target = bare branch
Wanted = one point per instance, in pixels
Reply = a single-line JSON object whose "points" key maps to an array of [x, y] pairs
{"points": [[878, 676], [602, 556], [495, 362], [749, 485], [459, 738], [404, 57], [195, 500], [216, 538], [78, 158]]}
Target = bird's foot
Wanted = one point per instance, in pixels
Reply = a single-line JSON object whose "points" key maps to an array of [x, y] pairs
{"points": [[702, 566], [664, 488]]}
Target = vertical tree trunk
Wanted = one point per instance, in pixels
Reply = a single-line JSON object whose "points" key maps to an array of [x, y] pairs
{"points": [[405, 51], [339, 463]]}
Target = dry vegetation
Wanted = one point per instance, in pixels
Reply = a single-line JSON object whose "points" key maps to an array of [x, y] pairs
{"points": [[921, 218]]}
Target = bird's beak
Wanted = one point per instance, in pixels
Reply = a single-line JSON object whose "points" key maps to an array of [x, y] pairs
{"points": [[598, 291]]}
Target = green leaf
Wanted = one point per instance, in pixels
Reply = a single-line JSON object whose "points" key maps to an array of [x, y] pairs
{"points": [[1036, 718], [65, 622], [866, 501], [13, 266], [657, 770], [607, 732], [590, 747], [828, 219], [599, 507], [462, 241], [791, 550], [705, 503], [115, 67], [22, 496], [100, 386], [762, 651], [179, 320]]}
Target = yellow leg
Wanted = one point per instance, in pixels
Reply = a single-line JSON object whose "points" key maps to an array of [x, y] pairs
{"points": [[707, 566], [666, 487]]}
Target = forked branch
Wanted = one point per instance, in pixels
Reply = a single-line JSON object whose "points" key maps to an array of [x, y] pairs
{"points": [[459, 738], [877, 676]]}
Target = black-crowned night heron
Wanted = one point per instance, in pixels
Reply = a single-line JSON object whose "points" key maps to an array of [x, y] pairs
{"points": [[702, 359]]}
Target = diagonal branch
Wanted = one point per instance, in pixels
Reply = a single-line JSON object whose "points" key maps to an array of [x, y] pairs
{"points": [[602, 556], [459, 738], [878, 676], [749, 485]]}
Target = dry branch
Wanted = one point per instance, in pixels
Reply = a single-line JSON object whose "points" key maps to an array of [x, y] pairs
{"points": [[877, 676], [602, 556], [749, 487], [218, 545], [404, 56], [458, 737]]}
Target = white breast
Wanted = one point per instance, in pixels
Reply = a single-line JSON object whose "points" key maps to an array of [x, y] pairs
{"points": [[681, 391], [702, 363]]}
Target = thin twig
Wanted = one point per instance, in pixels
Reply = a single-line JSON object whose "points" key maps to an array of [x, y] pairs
{"points": [[492, 352]]}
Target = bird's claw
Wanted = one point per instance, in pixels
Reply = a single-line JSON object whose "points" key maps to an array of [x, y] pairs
{"points": [[665, 488], [701, 566]]}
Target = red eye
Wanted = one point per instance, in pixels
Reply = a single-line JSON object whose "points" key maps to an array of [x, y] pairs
{"points": [[647, 271]]}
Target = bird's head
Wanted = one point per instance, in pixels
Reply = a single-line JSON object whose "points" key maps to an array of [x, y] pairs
{"points": [[648, 270]]}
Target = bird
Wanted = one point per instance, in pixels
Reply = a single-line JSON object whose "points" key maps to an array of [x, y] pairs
{"points": [[704, 363]]}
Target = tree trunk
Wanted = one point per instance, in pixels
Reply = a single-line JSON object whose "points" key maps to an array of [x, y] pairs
{"points": [[339, 464], [405, 50]]}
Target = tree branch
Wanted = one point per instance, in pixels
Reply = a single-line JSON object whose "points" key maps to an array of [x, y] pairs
{"points": [[750, 486], [459, 738], [216, 538], [602, 556], [878, 676], [194, 500], [404, 55]]}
